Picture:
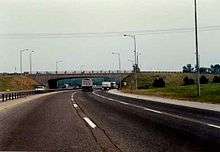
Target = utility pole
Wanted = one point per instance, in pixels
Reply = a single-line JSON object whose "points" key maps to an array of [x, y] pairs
{"points": [[197, 50], [21, 62], [30, 56], [119, 65], [135, 58]]}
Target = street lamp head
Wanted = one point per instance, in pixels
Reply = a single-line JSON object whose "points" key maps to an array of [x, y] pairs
{"points": [[115, 53], [24, 50], [58, 61], [129, 35]]}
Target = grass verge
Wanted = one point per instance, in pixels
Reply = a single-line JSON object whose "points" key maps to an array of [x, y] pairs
{"points": [[15, 83], [210, 93]]}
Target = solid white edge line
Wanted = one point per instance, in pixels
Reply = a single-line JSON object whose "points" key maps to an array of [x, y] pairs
{"points": [[125, 103], [90, 123], [155, 111], [215, 126], [159, 112]]}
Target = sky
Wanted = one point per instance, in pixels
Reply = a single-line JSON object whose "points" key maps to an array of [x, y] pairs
{"points": [[23, 22]]}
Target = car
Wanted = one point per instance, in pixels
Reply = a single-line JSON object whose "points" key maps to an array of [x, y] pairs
{"points": [[40, 88]]}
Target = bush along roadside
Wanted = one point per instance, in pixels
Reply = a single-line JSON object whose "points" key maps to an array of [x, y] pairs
{"points": [[158, 83], [145, 86], [204, 80], [188, 81], [216, 79]]}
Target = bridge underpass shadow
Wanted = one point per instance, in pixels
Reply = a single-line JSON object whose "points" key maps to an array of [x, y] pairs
{"points": [[76, 82]]}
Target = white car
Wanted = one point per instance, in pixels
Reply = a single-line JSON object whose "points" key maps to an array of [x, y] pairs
{"points": [[40, 88]]}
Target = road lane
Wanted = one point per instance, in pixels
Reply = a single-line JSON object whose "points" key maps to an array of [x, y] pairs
{"points": [[46, 124], [205, 121], [198, 114], [132, 132], [83, 121]]}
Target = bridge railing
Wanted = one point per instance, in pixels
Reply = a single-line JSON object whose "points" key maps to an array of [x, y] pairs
{"points": [[80, 72], [85, 72], [68, 72]]}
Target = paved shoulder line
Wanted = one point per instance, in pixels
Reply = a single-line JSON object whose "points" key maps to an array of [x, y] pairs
{"points": [[159, 112], [198, 105]]}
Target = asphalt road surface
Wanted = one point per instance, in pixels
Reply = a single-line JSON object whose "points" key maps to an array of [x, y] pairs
{"points": [[82, 121]]}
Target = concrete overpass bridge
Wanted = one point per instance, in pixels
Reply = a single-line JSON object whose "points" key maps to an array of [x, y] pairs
{"points": [[50, 79]]}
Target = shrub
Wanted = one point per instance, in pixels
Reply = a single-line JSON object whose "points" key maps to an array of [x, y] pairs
{"points": [[145, 86], [159, 83], [188, 81], [216, 79], [204, 80]]}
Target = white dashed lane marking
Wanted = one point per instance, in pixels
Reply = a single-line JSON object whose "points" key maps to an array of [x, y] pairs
{"points": [[89, 122], [75, 105], [86, 119]]}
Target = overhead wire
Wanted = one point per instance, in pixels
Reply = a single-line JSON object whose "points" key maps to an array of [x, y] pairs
{"points": [[105, 34]]}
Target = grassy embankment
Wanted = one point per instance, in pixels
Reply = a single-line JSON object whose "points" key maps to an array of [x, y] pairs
{"points": [[15, 83], [175, 89]]}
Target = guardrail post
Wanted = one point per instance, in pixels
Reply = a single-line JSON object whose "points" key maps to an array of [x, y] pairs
{"points": [[3, 97], [12, 97]]}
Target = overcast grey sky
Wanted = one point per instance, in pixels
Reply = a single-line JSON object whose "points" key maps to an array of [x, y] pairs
{"points": [[168, 51]]}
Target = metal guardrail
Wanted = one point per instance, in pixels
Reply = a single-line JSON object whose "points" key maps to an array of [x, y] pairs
{"points": [[5, 96]]}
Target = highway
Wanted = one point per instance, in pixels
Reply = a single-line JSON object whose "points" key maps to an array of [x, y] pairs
{"points": [[98, 121]]}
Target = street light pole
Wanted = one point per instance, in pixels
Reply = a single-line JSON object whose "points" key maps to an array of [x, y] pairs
{"points": [[30, 56], [119, 59], [21, 62], [119, 65], [135, 58], [138, 54], [81, 68], [57, 66], [135, 52], [197, 50]]}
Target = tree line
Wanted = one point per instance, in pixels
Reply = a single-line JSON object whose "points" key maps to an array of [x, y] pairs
{"points": [[213, 69]]}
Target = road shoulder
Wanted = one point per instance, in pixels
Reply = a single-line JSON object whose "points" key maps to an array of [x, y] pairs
{"points": [[198, 105]]}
